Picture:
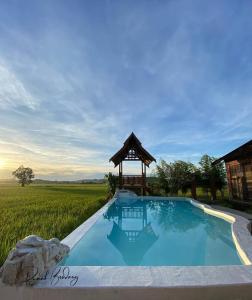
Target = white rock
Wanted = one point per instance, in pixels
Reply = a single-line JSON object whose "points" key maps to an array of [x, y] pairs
{"points": [[30, 259], [10, 272], [53, 251], [33, 267], [30, 241], [55, 241]]}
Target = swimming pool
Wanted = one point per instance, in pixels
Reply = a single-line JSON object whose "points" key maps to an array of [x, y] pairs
{"points": [[149, 231], [193, 246]]}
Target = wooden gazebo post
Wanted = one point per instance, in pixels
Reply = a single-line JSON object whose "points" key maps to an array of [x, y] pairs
{"points": [[120, 175]]}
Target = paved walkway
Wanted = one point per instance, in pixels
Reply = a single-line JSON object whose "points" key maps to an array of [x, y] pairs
{"points": [[234, 211]]}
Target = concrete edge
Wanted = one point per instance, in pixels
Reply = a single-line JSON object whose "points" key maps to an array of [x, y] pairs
{"points": [[240, 233]]}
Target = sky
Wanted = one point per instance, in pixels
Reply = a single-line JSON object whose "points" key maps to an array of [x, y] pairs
{"points": [[77, 77]]}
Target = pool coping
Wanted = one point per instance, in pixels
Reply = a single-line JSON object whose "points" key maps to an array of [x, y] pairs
{"points": [[156, 276]]}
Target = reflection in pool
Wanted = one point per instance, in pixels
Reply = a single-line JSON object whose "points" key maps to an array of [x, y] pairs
{"points": [[132, 241], [153, 232]]}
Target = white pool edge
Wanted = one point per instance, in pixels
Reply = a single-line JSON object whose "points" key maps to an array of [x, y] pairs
{"points": [[239, 227]]}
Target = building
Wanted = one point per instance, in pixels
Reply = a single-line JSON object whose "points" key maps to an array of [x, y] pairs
{"points": [[239, 173], [132, 150]]}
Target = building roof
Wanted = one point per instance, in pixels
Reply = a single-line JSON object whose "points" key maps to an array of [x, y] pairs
{"points": [[132, 150], [244, 151]]}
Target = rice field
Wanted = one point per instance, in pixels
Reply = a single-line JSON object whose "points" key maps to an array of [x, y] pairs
{"points": [[52, 210]]}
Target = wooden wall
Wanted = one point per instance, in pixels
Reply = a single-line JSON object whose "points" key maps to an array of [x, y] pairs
{"points": [[239, 175], [248, 174]]}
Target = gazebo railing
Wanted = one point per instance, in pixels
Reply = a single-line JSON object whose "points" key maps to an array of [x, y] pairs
{"points": [[128, 180]]}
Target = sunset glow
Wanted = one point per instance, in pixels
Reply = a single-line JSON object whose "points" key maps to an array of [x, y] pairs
{"points": [[2, 163], [75, 82]]}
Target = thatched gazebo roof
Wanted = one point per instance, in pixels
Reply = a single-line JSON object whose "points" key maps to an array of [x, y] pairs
{"points": [[132, 150]]}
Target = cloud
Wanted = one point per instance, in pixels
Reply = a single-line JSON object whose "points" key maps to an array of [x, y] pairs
{"points": [[13, 94], [75, 82]]}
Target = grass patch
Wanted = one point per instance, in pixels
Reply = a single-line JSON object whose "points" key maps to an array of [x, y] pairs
{"points": [[45, 210]]}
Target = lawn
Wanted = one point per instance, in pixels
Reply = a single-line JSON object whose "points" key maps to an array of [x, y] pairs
{"points": [[52, 210]]}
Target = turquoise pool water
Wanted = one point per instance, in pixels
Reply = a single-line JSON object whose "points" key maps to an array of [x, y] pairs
{"points": [[153, 232]]}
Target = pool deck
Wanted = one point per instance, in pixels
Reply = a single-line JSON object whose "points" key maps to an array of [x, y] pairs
{"points": [[165, 282], [233, 211], [147, 283]]}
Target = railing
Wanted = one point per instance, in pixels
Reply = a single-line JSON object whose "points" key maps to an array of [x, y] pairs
{"points": [[128, 180], [132, 212]]}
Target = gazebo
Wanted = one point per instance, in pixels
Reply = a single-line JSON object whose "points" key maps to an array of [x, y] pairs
{"points": [[132, 150]]}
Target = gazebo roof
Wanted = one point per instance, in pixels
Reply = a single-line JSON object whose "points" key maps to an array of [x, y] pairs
{"points": [[132, 150], [243, 151], [132, 248]]}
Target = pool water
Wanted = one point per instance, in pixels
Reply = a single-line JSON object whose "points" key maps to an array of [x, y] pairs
{"points": [[153, 232]]}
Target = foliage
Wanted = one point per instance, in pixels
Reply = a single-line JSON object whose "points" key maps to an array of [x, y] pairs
{"points": [[112, 182], [212, 174], [182, 174], [175, 176], [24, 175], [220, 179], [153, 185], [51, 210], [178, 175], [163, 172]]}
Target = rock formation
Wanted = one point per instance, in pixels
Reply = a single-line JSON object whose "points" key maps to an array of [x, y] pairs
{"points": [[31, 258]]}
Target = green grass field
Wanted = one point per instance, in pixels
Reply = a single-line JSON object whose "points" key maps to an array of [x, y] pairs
{"points": [[46, 210]]}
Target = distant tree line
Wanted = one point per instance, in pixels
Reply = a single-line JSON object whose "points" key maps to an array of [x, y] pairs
{"points": [[172, 177]]}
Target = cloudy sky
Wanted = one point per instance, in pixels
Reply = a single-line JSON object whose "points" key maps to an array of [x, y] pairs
{"points": [[77, 77]]}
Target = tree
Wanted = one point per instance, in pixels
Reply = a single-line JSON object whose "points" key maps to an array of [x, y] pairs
{"points": [[212, 176], [175, 176], [24, 175], [220, 178], [112, 181], [182, 175], [163, 171], [205, 172]]}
